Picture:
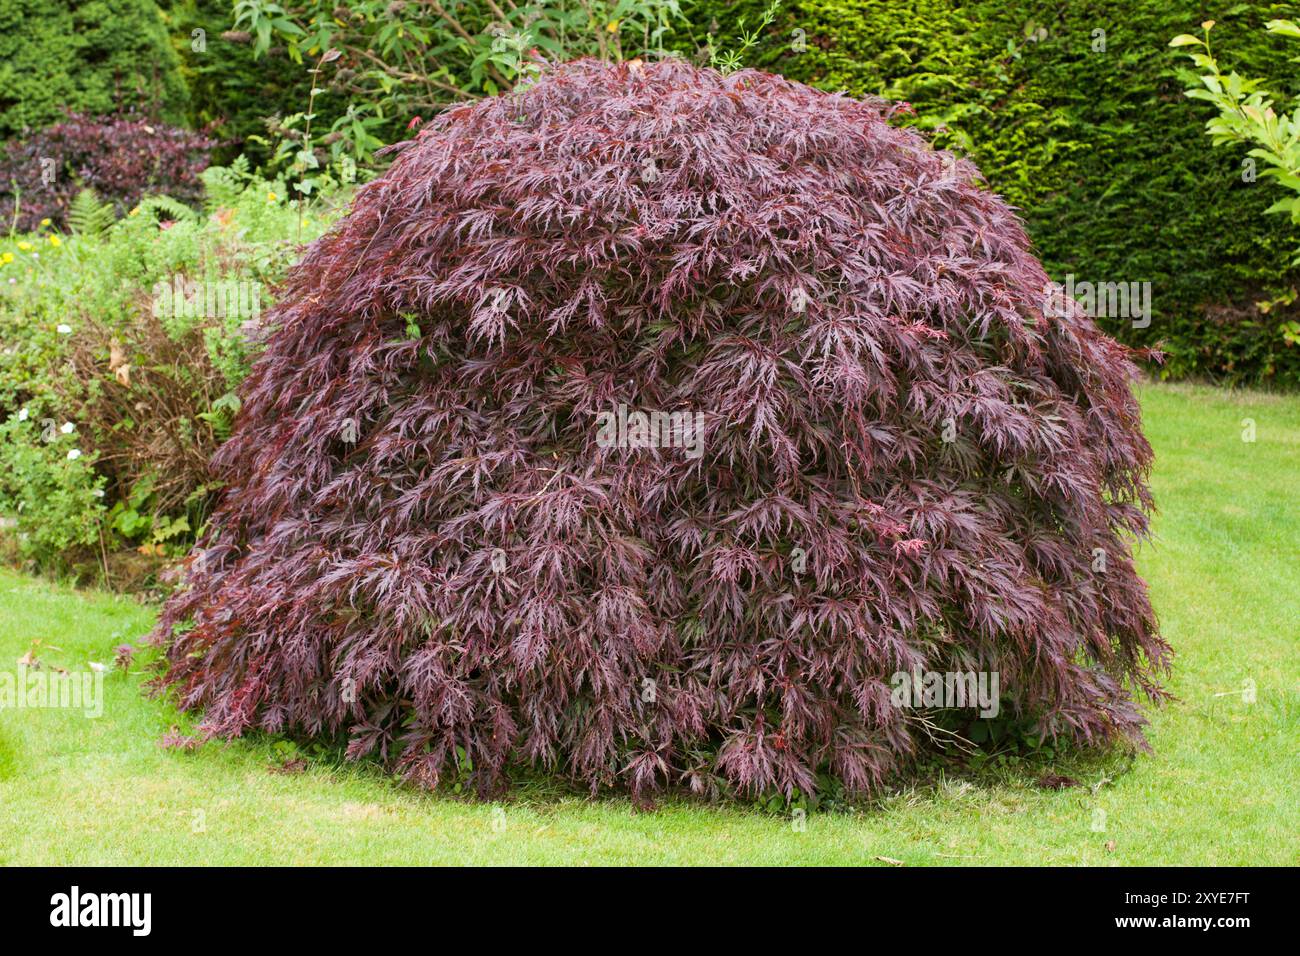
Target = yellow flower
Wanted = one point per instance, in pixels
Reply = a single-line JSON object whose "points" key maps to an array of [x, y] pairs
{"points": [[270, 197], [612, 26], [134, 212], [45, 222], [55, 241], [8, 257], [24, 247], [1207, 24]]}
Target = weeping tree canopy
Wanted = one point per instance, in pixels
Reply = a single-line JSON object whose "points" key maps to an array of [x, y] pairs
{"points": [[644, 425]]}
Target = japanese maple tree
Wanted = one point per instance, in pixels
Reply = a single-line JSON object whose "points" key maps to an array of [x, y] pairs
{"points": [[910, 457]]}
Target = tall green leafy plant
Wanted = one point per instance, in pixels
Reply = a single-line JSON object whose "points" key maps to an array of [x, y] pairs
{"points": [[1248, 113], [401, 62]]}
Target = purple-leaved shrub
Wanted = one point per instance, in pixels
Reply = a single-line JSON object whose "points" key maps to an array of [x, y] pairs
{"points": [[908, 457], [122, 158]]}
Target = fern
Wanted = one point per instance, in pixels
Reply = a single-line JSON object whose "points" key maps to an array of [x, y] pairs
{"points": [[223, 184], [89, 216], [170, 208]]}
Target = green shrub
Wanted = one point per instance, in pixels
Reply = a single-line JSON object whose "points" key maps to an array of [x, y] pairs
{"points": [[49, 491], [1105, 157], [97, 57], [1246, 113], [232, 91], [97, 356], [393, 64]]}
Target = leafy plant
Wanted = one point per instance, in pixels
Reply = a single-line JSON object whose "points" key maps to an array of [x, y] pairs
{"points": [[400, 62], [123, 159], [50, 494], [89, 339], [425, 543], [1247, 114], [88, 216], [234, 92], [297, 156], [728, 61]]}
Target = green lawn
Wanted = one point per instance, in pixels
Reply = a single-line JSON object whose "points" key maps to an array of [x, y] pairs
{"points": [[1220, 787]]}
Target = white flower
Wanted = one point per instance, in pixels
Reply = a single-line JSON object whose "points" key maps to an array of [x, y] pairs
{"points": [[95, 666], [98, 492], [74, 454], [22, 415], [64, 329], [68, 428], [12, 281]]}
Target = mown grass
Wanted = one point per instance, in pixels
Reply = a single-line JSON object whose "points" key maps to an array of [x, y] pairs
{"points": [[1220, 787]]}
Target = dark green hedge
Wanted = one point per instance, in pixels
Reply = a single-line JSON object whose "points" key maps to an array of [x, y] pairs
{"points": [[1106, 158], [231, 91], [91, 57]]}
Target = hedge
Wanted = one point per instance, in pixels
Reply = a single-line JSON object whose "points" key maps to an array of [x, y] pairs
{"points": [[231, 91], [1107, 160], [96, 58]]}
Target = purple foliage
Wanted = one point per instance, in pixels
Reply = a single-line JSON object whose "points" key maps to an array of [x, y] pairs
{"points": [[122, 158], [831, 294]]}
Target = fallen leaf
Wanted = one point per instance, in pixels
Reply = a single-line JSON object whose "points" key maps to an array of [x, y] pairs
{"points": [[891, 861], [123, 373], [1110, 846]]}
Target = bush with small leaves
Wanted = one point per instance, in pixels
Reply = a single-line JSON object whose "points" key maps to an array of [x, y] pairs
{"points": [[135, 332], [122, 158], [891, 452]]}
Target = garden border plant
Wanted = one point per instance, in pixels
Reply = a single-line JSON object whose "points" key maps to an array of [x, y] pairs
{"points": [[99, 357], [914, 455]]}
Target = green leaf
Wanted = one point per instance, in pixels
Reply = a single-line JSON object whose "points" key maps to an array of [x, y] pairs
{"points": [[1286, 28]]}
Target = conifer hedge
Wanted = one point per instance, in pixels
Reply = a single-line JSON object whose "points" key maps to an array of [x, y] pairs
{"points": [[1106, 159], [96, 57]]}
